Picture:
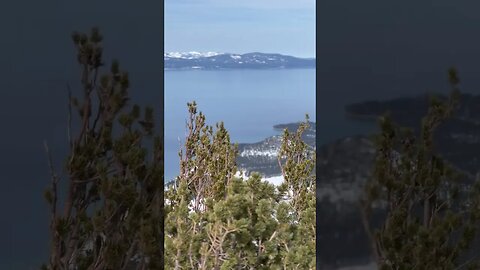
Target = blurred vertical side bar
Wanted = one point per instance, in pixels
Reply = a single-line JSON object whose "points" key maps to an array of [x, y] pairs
{"points": [[317, 120], [162, 122]]}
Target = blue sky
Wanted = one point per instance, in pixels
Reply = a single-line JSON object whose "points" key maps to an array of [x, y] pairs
{"points": [[240, 26]]}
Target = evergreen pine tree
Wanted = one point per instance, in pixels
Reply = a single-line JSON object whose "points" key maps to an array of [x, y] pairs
{"points": [[112, 212], [297, 163], [215, 220], [429, 220]]}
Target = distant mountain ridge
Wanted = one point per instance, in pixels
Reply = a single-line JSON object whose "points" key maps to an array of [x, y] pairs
{"points": [[218, 61]]}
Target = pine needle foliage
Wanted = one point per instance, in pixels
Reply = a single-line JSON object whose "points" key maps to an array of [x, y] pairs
{"points": [[430, 216], [112, 210], [215, 220]]}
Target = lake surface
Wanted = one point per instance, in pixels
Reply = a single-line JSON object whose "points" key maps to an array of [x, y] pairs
{"points": [[249, 102]]}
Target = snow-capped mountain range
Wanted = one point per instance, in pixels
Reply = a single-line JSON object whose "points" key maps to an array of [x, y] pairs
{"points": [[188, 55], [214, 60]]}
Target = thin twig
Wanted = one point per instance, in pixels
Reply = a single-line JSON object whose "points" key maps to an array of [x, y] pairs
{"points": [[69, 129], [55, 258], [54, 180]]}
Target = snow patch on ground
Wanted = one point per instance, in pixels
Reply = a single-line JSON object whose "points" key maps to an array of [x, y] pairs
{"points": [[276, 180]]}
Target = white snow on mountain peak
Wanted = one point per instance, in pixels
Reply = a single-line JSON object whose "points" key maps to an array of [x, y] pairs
{"points": [[190, 55]]}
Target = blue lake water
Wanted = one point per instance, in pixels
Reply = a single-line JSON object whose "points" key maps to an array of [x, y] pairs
{"points": [[249, 102]]}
